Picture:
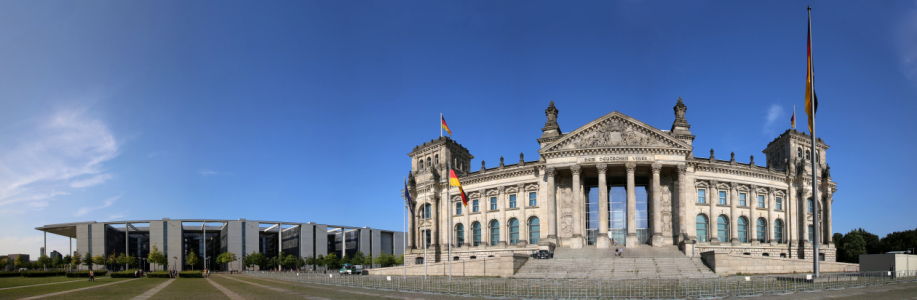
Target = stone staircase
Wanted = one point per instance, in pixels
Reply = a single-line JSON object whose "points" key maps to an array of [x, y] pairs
{"points": [[594, 263]]}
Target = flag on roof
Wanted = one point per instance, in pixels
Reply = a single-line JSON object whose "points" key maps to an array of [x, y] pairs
{"points": [[454, 181], [446, 127]]}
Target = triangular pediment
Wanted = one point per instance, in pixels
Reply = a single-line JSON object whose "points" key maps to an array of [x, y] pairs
{"points": [[615, 130]]}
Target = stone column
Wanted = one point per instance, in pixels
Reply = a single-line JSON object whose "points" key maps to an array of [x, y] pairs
{"points": [[603, 241], [802, 224], [752, 202], [734, 212], [577, 241], [682, 201], [713, 199], [631, 239], [658, 241], [771, 205], [522, 200], [552, 205], [502, 204], [412, 225], [826, 217]]}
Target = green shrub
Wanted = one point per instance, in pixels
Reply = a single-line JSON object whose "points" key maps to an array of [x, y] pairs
{"points": [[43, 273], [161, 274], [190, 274], [123, 274], [85, 274], [10, 274]]}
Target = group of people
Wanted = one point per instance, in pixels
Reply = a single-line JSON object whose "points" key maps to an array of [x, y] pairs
{"points": [[619, 252]]}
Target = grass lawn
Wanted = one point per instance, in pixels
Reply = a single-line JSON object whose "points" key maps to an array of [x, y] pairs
{"points": [[53, 288], [125, 290], [249, 291], [190, 288], [20, 281]]}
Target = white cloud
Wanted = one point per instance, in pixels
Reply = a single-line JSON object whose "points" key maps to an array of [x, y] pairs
{"points": [[772, 119], [94, 180], [206, 172], [86, 210], [45, 155]]}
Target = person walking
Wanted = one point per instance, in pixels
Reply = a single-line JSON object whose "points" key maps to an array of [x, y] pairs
{"points": [[92, 276]]}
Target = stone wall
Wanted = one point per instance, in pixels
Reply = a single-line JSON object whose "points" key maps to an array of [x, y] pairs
{"points": [[504, 266], [765, 250], [725, 264]]}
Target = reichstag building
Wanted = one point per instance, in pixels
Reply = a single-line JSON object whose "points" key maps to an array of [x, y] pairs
{"points": [[617, 182]]}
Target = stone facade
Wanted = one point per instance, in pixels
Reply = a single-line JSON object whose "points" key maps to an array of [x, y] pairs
{"points": [[614, 182]]}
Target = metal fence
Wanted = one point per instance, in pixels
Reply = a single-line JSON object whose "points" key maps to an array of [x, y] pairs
{"points": [[735, 286]]}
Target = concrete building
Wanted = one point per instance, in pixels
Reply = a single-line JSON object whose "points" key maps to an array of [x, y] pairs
{"points": [[888, 262], [619, 182], [11, 260], [209, 238]]}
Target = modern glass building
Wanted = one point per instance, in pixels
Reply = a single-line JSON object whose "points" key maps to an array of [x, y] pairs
{"points": [[209, 238]]}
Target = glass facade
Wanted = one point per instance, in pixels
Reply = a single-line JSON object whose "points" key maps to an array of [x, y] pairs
{"points": [[194, 241], [617, 214], [494, 232], [513, 231], [592, 215], [475, 234], [701, 228], [743, 230], [722, 229], [534, 230]]}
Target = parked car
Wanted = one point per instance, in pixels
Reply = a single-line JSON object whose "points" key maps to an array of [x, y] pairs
{"points": [[543, 254], [349, 269]]}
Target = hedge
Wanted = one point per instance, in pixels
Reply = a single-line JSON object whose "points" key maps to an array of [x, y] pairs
{"points": [[86, 273], [160, 274], [43, 273], [123, 274], [10, 274], [190, 274]]}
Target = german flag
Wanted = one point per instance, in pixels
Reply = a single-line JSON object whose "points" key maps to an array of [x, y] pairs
{"points": [[810, 94], [446, 127], [454, 181]]}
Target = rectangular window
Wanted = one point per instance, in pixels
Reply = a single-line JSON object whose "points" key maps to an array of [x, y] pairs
{"points": [[512, 201], [811, 234], [811, 206], [742, 200], [458, 208], [779, 203], [701, 196], [533, 200], [760, 201], [493, 203], [474, 206], [723, 197]]}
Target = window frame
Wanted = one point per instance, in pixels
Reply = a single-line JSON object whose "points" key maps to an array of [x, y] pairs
{"points": [[779, 203], [723, 199], [534, 235], [533, 199], [761, 230], [493, 203], [743, 199], [513, 241], [724, 237], [459, 235], [702, 196], [458, 208], [476, 234], [743, 234], [761, 201], [475, 207], [512, 201], [697, 224], [494, 228]]}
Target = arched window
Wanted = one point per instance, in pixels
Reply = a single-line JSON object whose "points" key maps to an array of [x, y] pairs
{"points": [[808, 154], [436, 159], [761, 230], [494, 232], [722, 229], [743, 230], [811, 205], [817, 158], [798, 152], [427, 210], [476, 234], [459, 235], [534, 230], [420, 164], [428, 236], [513, 231], [429, 162], [701, 228], [778, 231]]}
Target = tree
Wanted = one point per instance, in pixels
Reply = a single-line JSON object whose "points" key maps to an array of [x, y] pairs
{"points": [[400, 260], [310, 260], [131, 260], [226, 258], [57, 261], [67, 260], [19, 262], [899, 241], [77, 259], [358, 258], [121, 259], [332, 261], [44, 261], [368, 261], [346, 260], [191, 259], [289, 261], [320, 260], [111, 260], [254, 259], [98, 260], [4, 262], [157, 257], [300, 262], [852, 246], [873, 244]]}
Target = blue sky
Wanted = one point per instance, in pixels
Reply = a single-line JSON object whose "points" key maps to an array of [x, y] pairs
{"points": [[305, 110]]}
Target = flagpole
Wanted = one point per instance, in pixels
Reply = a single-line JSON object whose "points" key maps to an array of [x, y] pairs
{"points": [[424, 237], [449, 215], [404, 226], [815, 199], [794, 116], [440, 124]]}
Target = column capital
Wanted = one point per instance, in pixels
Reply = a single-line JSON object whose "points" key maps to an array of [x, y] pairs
{"points": [[656, 167], [576, 169], [753, 188], [734, 185], [551, 171], [682, 169], [630, 166], [602, 168], [772, 190], [713, 184]]}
